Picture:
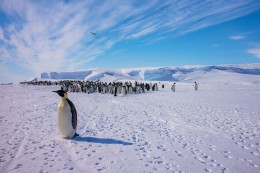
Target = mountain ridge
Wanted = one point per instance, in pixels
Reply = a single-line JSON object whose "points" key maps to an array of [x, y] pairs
{"points": [[167, 73]]}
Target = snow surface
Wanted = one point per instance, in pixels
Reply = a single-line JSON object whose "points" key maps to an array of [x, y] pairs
{"points": [[214, 129], [151, 73]]}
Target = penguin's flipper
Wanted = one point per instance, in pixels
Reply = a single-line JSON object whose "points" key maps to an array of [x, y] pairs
{"points": [[74, 114]]}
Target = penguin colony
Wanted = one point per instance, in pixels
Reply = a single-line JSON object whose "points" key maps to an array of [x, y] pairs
{"points": [[89, 87], [114, 88]]}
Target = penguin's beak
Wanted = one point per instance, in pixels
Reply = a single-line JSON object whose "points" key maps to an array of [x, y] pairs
{"points": [[55, 91]]}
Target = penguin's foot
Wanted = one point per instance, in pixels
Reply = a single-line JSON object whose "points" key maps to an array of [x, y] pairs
{"points": [[75, 135]]}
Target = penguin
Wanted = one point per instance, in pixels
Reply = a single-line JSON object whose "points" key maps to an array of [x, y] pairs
{"points": [[67, 116], [196, 86], [173, 87], [115, 90], [156, 87], [123, 91]]}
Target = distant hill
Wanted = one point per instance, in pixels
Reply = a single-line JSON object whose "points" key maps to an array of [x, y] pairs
{"points": [[183, 73]]}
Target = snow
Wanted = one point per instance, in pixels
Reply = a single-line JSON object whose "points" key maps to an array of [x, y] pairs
{"points": [[214, 129]]}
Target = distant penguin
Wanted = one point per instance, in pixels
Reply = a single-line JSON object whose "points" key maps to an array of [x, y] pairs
{"points": [[196, 86], [67, 116], [156, 87], [115, 91], [173, 87], [123, 91]]}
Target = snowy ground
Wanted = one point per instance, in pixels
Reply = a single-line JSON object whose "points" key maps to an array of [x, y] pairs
{"points": [[215, 129]]}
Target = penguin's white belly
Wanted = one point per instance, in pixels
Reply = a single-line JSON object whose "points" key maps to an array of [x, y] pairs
{"points": [[123, 92], [65, 122]]}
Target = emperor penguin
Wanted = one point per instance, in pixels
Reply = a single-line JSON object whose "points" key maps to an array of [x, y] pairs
{"points": [[67, 116], [196, 86], [173, 87], [123, 91]]}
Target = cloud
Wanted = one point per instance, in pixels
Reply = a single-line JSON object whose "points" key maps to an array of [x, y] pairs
{"points": [[255, 52], [43, 36], [237, 37], [1, 34]]}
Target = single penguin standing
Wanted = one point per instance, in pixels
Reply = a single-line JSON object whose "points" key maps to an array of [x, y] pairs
{"points": [[67, 116], [196, 86], [173, 87]]}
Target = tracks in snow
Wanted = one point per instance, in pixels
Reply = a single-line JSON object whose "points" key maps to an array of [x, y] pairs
{"points": [[156, 132]]}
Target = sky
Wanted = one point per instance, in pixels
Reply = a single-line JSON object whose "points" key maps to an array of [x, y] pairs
{"points": [[55, 35]]}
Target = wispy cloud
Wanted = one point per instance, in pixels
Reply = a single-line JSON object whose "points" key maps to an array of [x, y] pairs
{"points": [[1, 34], [47, 36], [237, 37], [255, 50]]}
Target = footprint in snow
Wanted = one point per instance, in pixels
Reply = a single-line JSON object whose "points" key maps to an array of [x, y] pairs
{"points": [[18, 166], [200, 159], [254, 165], [251, 145], [229, 157], [178, 153], [254, 153], [43, 171], [208, 170], [185, 145], [205, 156], [248, 160], [227, 152], [245, 147]]}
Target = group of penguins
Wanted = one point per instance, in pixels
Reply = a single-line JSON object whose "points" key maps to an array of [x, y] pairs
{"points": [[104, 87], [114, 88], [89, 87]]}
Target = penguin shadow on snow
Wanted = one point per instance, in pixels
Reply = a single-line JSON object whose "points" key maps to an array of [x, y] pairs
{"points": [[100, 140]]}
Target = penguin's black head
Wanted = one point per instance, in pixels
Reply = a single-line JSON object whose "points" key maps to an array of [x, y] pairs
{"points": [[61, 93]]}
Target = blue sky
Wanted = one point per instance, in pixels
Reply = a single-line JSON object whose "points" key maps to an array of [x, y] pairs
{"points": [[39, 36]]}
